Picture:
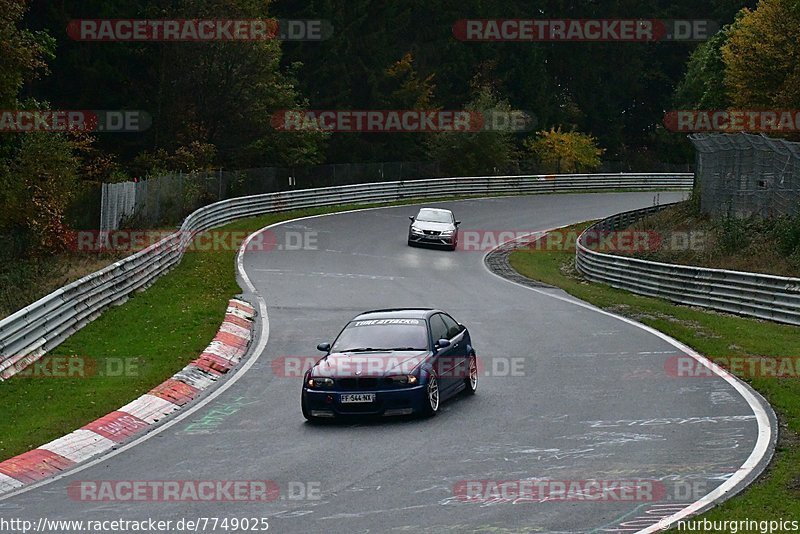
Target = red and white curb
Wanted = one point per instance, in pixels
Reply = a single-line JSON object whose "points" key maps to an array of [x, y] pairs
{"points": [[222, 354]]}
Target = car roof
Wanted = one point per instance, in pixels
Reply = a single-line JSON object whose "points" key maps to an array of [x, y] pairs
{"points": [[397, 313]]}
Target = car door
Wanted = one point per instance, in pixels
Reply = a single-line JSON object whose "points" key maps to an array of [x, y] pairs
{"points": [[444, 360], [455, 333]]}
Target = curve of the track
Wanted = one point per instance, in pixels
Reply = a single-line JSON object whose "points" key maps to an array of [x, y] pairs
{"points": [[593, 400]]}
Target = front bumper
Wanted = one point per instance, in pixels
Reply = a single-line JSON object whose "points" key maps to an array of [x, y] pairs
{"points": [[322, 403], [431, 239]]}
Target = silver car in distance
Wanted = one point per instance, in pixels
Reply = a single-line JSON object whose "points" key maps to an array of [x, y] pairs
{"points": [[434, 226]]}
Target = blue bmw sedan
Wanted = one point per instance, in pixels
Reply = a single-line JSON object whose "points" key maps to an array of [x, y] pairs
{"points": [[391, 362]]}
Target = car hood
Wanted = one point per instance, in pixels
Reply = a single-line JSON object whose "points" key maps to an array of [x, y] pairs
{"points": [[364, 364], [439, 227]]}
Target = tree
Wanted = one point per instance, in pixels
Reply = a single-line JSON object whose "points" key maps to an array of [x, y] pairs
{"points": [[36, 186], [23, 53], [470, 153], [761, 57], [38, 170], [703, 86], [568, 152]]}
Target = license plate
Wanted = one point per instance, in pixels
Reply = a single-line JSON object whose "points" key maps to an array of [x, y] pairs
{"points": [[358, 397]]}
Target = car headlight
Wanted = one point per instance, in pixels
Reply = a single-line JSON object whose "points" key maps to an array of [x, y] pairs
{"points": [[447, 232], [320, 382], [403, 380], [416, 231]]}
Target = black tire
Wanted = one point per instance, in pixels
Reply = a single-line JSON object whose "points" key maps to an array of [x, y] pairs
{"points": [[471, 385], [430, 408]]}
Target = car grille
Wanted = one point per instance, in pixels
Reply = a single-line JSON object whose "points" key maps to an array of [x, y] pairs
{"points": [[356, 384], [431, 232]]}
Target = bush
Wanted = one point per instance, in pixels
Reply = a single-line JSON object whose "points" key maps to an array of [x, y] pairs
{"points": [[786, 231], [568, 152], [36, 187], [733, 233]]}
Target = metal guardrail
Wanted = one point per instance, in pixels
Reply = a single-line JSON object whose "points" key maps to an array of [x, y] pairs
{"points": [[32, 331], [775, 298]]}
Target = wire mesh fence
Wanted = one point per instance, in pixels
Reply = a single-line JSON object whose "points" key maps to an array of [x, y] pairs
{"points": [[744, 175]]}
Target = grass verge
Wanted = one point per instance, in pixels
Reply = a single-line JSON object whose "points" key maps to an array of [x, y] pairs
{"points": [[777, 493]]}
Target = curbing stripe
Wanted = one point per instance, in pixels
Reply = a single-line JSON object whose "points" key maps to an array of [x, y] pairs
{"points": [[232, 340], [35, 465], [149, 408], [7, 483], [232, 354], [242, 306], [117, 426], [236, 330], [236, 312], [213, 364], [175, 391], [79, 445], [196, 377], [238, 321]]}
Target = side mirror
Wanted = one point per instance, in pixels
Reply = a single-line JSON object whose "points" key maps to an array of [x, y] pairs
{"points": [[324, 347], [458, 222], [443, 343], [411, 218]]}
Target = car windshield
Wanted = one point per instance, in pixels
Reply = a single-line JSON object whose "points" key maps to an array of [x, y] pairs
{"points": [[435, 216], [383, 334]]}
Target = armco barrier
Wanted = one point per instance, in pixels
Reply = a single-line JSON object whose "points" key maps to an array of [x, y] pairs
{"points": [[32, 331], [774, 298]]}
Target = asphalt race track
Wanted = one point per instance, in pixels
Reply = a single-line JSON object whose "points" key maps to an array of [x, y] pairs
{"points": [[589, 398]]}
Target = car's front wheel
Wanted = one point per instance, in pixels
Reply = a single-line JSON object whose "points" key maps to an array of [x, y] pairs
{"points": [[432, 397], [471, 380]]}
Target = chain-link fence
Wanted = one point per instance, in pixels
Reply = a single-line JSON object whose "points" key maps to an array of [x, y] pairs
{"points": [[744, 175]]}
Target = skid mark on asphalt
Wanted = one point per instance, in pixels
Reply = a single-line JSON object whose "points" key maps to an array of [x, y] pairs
{"points": [[599, 439], [671, 421]]}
